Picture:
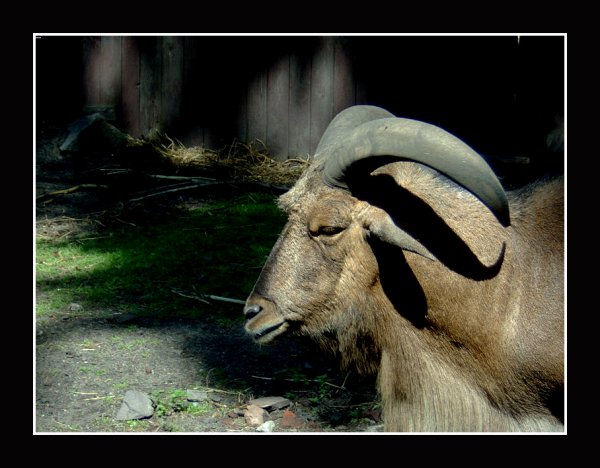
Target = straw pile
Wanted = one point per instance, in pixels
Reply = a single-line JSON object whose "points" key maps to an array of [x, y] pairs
{"points": [[240, 161]]}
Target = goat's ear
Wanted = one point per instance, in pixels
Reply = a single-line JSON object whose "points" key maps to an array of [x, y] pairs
{"points": [[419, 213], [379, 224]]}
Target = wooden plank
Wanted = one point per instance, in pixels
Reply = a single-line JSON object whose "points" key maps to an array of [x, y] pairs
{"points": [[150, 83], [193, 134], [321, 107], [257, 107], [130, 83], [172, 81], [91, 73], [241, 130], [278, 94], [110, 70], [344, 90], [299, 116], [362, 95]]}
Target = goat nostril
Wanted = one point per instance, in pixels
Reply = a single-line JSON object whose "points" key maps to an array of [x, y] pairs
{"points": [[252, 311]]}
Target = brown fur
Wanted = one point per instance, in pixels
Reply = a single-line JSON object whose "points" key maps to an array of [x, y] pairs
{"points": [[455, 348]]}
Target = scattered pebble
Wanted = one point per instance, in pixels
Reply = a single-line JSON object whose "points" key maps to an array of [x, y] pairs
{"points": [[136, 405], [267, 426], [255, 415], [271, 403], [290, 420], [196, 395]]}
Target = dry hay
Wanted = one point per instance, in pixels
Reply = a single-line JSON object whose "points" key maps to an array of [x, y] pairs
{"points": [[248, 162]]}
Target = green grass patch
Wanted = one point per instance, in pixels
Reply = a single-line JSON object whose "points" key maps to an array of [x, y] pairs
{"points": [[217, 249]]}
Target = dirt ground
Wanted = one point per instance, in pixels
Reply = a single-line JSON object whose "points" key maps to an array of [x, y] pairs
{"points": [[85, 360]]}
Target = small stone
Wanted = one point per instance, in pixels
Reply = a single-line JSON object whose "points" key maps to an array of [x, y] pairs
{"points": [[255, 415], [196, 395], [290, 420], [271, 403], [215, 397], [375, 415], [267, 426], [375, 428], [126, 318], [136, 405], [75, 129]]}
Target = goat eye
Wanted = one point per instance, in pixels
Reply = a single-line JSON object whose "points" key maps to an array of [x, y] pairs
{"points": [[329, 230]]}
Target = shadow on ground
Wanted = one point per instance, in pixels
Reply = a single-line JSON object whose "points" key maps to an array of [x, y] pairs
{"points": [[134, 322]]}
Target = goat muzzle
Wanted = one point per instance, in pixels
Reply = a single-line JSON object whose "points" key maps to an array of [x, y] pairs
{"points": [[264, 322]]}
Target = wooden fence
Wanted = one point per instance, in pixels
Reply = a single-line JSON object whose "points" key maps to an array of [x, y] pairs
{"points": [[210, 90], [500, 94]]}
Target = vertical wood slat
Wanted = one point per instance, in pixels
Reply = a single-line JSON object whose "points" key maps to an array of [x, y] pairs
{"points": [[130, 87], [299, 114], [110, 71], [321, 104], [193, 133], [344, 93], [150, 83], [91, 74], [288, 104], [242, 118], [172, 81], [257, 108], [278, 91]]}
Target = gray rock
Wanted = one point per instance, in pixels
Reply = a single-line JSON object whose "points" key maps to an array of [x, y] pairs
{"points": [[126, 318], [271, 403], [376, 428], [75, 129], [267, 426], [255, 415], [136, 405], [196, 395]]}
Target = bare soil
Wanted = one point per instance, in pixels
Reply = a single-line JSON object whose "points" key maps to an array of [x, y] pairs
{"points": [[85, 360]]}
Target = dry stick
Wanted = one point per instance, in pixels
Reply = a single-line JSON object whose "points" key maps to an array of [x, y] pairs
{"points": [[71, 189], [223, 299], [193, 179], [292, 380], [187, 187], [203, 298], [190, 297]]}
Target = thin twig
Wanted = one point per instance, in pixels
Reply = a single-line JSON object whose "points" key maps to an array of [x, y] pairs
{"points": [[204, 297], [193, 179], [368, 403], [190, 297], [295, 380], [223, 299], [125, 222], [71, 190], [187, 187], [92, 238]]}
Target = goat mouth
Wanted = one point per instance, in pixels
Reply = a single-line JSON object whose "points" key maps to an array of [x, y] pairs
{"points": [[267, 334]]}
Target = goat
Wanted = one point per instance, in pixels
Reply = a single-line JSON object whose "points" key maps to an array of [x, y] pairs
{"points": [[404, 256]]}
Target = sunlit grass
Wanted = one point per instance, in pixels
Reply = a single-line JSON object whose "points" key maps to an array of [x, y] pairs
{"points": [[217, 249]]}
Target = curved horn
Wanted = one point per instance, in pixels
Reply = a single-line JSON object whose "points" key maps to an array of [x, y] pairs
{"points": [[411, 140], [347, 120]]}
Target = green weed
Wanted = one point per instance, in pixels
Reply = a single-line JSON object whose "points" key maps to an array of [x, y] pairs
{"points": [[121, 385], [176, 402], [217, 249]]}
